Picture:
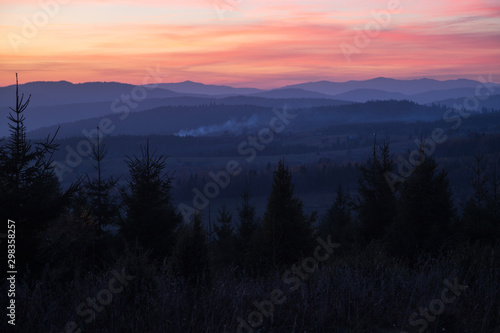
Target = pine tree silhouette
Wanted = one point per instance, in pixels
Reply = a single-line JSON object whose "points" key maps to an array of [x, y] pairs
{"points": [[338, 222], [190, 257], [287, 231], [102, 202], [247, 235], [376, 204], [152, 219], [30, 193], [425, 212], [225, 244], [479, 222]]}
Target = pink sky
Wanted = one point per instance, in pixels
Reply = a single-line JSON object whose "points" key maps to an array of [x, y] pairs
{"points": [[256, 43]]}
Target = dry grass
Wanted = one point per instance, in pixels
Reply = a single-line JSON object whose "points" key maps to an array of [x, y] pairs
{"points": [[364, 292]]}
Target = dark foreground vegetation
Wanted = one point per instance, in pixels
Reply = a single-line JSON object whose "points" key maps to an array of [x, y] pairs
{"points": [[361, 292], [101, 257]]}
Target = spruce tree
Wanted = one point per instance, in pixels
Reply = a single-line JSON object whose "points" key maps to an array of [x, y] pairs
{"points": [[338, 222], [479, 211], [30, 193], [100, 192], [225, 245], [287, 231], [425, 214], [494, 201], [246, 238], [190, 256], [152, 219], [376, 205]]}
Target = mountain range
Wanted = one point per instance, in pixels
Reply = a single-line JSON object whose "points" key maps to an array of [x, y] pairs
{"points": [[63, 102]]}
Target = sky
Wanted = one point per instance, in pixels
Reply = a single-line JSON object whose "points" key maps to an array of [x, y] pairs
{"points": [[248, 43]]}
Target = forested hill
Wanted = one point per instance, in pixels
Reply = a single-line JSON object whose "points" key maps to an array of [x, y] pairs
{"points": [[217, 118]]}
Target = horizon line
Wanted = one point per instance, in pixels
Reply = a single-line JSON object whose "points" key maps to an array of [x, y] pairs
{"points": [[248, 87]]}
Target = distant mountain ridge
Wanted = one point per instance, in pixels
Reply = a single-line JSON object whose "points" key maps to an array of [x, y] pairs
{"points": [[292, 92], [493, 102], [62, 101], [206, 89], [64, 92], [407, 87], [42, 116], [420, 90], [364, 95], [220, 117]]}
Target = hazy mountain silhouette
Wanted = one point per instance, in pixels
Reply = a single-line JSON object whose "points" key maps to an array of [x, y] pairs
{"points": [[63, 92], [219, 118], [492, 102], [436, 95], [64, 102], [292, 93], [408, 87], [364, 95], [291, 102], [421, 91], [43, 116], [206, 89]]}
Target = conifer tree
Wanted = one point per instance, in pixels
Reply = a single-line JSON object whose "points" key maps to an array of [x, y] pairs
{"points": [[425, 212], [152, 219], [190, 256], [246, 238], [338, 222], [30, 193], [494, 202], [376, 204], [102, 202], [287, 231], [478, 219], [225, 246]]}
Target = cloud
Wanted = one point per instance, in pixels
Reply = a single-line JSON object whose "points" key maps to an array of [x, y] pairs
{"points": [[265, 44]]}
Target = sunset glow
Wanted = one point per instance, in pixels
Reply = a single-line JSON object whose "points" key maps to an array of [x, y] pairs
{"points": [[255, 43]]}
